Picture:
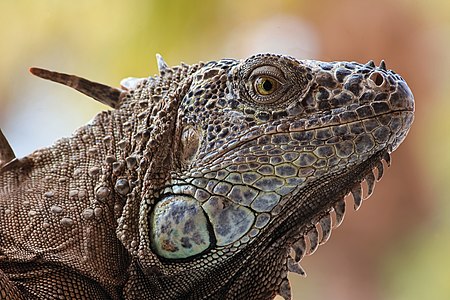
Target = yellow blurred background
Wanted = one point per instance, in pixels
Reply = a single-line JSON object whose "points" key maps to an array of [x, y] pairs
{"points": [[398, 244]]}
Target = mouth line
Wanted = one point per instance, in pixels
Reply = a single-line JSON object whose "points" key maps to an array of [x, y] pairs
{"points": [[260, 131]]}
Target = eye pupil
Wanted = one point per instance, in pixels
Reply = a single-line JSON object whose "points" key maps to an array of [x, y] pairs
{"points": [[267, 85]]}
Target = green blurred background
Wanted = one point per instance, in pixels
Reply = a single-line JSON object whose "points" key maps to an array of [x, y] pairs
{"points": [[398, 245]]}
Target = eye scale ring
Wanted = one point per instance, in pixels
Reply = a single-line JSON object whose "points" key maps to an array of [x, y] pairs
{"points": [[266, 84], [272, 82]]}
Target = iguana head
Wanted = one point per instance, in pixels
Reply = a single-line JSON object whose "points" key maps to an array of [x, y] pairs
{"points": [[231, 164]]}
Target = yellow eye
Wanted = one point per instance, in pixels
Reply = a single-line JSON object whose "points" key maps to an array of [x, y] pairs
{"points": [[265, 85]]}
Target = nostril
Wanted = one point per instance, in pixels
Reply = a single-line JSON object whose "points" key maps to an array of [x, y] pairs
{"points": [[377, 78]]}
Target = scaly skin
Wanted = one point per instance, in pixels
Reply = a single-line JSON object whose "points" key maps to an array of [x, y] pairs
{"points": [[200, 181]]}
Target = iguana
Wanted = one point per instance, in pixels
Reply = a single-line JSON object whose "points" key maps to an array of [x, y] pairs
{"points": [[206, 181]]}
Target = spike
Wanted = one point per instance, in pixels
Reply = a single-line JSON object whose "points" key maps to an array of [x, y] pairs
{"points": [[295, 267], [131, 83], [285, 289], [23, 163], [339, 210], [299, 249], [380, 168], [6, 152], [162, 66], [313, 236], [387, 158], [100, 92], [357, 198], [370, 64], [382, 65], [325, 224], [370, 180]]}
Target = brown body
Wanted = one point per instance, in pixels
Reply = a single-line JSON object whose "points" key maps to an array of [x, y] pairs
{"points": [[199, 182]]}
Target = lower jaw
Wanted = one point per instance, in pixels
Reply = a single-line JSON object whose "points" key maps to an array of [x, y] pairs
{"points": [[323, 208]]}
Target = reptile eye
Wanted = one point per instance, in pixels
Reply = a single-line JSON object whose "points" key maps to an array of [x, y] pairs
{"points": [[265, 85]]}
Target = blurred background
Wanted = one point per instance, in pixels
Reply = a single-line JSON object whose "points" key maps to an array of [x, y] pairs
{"points": [[398, 244]]}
